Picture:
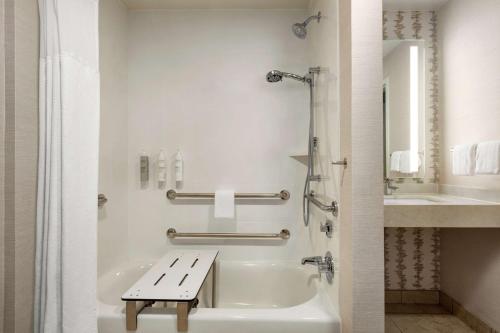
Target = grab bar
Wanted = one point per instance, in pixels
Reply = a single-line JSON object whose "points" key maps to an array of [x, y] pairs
{"points": [[333, 208], [283, 195], [172, 233]]}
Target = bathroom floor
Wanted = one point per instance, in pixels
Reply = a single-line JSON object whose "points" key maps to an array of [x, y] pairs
{"points": [[397, 323]]}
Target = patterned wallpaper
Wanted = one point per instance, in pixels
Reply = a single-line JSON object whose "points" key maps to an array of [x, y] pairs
{"points": [[412, 258], [422, 25], [412, 255]]}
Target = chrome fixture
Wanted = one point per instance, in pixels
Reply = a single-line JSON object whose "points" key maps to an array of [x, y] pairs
{"points": [[332, 208], [300, 30], [283, 195], [144, 168], [389, 187], [101, 200], [327, 228], [342, 162], [276, 76], [325, 265], [283, 234]]}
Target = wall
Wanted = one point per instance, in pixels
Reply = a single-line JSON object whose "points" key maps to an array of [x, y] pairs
{"points": [[196, 82], [2, 160], [113, 149], [361, 230], [470, 103], [470, 92], [20, 149], [409, 263], [412, 258], [471, 269]]}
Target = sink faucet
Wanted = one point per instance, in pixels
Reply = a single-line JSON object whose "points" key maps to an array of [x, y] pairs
{"points": [[389, 187], [325, 265]]}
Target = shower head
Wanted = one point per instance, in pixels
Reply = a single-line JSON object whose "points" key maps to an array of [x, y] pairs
{"points": [[276, 76], [300, 30]]}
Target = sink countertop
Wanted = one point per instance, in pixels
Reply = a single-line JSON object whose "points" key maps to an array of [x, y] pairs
{"points": [[430, 210], [410, 199]]}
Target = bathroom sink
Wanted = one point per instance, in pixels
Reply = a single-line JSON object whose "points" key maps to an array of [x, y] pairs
{"points": [[412, 199], [432, 199]]}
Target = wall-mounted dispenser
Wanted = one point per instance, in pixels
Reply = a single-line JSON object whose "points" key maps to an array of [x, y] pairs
{"points": [[179, 168], [162, 169], [144, 167]]}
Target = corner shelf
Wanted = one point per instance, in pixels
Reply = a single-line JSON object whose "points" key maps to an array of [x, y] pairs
{"points": [[300, 157]]}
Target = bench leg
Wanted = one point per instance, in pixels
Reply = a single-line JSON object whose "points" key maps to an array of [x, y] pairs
{"points": [[131, 316], [182, 316]]}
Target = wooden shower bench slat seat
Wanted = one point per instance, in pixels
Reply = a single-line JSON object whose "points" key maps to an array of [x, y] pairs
{"points": [[177, 277]]}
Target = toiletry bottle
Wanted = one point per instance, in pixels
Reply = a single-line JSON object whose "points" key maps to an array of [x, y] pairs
{"points": [[162, 168], [144, 167], [179, 167]]}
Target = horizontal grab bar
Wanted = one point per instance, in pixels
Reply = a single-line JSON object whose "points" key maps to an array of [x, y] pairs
{"points": [[172, 233], [333, 208], [283, 195]]}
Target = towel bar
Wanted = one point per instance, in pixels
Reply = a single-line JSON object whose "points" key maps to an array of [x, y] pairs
{"points": [[172, 233], [283, 195]]}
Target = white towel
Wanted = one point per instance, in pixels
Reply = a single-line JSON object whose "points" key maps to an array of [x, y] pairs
{"points": [[395, 160], [224, 204], [405, 162], [488, 158], [464, 160]]}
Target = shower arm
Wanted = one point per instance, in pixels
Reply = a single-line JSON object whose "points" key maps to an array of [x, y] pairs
{"points": [[296, 77], [313, 17]]}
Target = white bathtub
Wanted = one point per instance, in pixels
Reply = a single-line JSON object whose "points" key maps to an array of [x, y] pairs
{"points": [[251, 297]]}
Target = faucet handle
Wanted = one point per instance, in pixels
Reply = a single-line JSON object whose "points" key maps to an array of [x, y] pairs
{"points": [[327, 228]]}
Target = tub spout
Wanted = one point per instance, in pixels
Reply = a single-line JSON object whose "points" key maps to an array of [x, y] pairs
{"points": [[325, 265], [312, 260]]}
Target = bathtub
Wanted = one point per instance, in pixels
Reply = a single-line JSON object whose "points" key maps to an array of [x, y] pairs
{"points": [[250, 297]]}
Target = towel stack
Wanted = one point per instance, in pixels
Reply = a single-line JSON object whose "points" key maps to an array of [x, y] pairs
{"points": [[479, 159], [401, 161]]}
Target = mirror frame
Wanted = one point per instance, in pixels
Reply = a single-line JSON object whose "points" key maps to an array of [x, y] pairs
{"points": [[421, 25]]}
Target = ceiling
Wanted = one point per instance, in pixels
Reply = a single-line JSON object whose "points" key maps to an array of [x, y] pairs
{"points": [[216, 4], [413, 4]]}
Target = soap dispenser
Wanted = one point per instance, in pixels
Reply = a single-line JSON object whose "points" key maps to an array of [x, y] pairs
{"points": [[179, 168], [162, 169]]}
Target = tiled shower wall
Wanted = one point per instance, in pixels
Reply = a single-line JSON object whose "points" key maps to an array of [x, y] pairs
{"points": [[412, 255], [412, 258]]}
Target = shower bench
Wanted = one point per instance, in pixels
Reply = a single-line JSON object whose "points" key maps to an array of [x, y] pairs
{"points": [[177, 277]]}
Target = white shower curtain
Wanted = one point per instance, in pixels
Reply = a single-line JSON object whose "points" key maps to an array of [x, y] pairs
{"points": [[65, 294]]}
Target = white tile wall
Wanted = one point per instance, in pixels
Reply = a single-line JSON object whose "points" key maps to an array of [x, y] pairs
{"points": [[196, 82]]}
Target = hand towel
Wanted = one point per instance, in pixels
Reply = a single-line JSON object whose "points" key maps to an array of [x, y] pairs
{"points": [[409, 162], [464, 160], [224, 204], [488, 158], [395, 160]]}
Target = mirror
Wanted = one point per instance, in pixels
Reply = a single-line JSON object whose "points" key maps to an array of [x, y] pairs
{"points": [[404, 109]]}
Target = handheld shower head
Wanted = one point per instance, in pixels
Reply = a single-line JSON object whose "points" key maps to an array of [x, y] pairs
{"points": [[276, 76], [300, 30]]}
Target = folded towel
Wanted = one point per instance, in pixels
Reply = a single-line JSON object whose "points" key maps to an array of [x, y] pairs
{"points": [[395, 160], [409, 162], [488, 158], [464, 160], [224, 204]]}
